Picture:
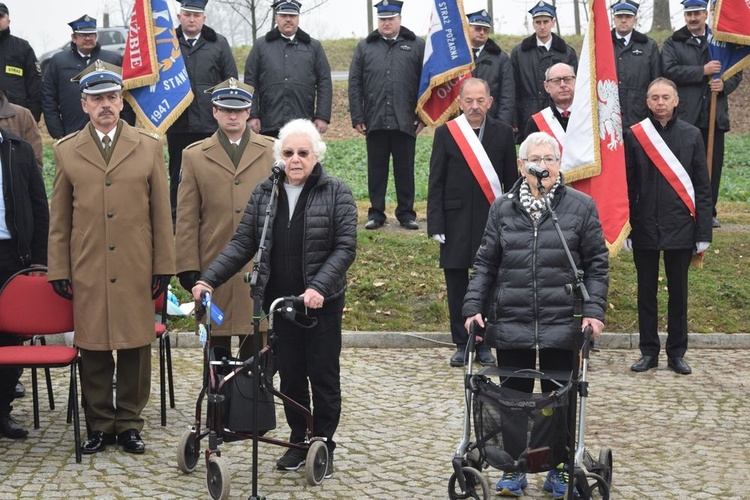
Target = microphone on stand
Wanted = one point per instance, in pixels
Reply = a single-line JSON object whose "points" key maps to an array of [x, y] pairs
{"points": [[278, 167], [537, 170]]}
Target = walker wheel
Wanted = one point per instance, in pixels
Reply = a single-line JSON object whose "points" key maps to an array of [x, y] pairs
{"points": [[188, 451], [605, 460], [217, 478], [316, 463], [476, 485]]}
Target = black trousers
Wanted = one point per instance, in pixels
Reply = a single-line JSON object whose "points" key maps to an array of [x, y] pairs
{"points": [[676, 264], [176, 142], [456, 283], [10, 263], [381, 144], [717, 162], [311, 355]]}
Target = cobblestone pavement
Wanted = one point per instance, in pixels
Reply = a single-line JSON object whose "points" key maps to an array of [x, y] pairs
{"points": [[672, 436]]}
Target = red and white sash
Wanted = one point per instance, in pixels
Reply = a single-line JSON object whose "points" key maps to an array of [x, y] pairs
{"points": [[665, 160], [546, 121], [476, 157]]}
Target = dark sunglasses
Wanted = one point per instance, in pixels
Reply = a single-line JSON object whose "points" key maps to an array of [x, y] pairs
{"points": [[288, 153]]}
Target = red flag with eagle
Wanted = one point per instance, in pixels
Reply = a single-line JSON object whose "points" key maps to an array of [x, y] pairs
{"points": [[593, 159]]}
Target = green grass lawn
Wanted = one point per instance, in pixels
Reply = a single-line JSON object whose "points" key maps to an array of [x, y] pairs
{"points": [[395, 283]]}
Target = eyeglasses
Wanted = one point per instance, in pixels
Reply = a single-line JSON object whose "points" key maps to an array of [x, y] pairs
{"points": [[548, 160], [86, 35], [302, 153], [567, 79]]}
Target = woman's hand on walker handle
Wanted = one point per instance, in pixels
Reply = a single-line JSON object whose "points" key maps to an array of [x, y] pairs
{"points": [[199, 289], [478, 318], [313, 299], [596, 326]]}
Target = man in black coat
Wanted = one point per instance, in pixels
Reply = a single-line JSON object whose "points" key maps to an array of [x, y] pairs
{"points": [[637, 59], [670, 213], [61, 98], [20, 75], [687, 62], [493, 66], [23, 243], [473, 161], [531, 59], [560, 85]]}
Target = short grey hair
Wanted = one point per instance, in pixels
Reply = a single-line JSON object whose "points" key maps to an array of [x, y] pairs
{"points": [[472, 80], [538, 139], [300, 126]]}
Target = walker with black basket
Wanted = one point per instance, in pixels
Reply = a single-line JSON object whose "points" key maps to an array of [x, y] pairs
{"points": [[231, 388], [546, 421]]}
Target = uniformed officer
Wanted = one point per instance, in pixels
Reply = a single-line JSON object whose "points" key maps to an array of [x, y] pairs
{"points": [[111, 248], [218, 176], [61, 97], [531, 59], [20, 75]]}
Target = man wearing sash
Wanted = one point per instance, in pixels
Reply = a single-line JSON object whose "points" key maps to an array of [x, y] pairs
{"points": [[473, 162], [670, 212], [560, 84]]}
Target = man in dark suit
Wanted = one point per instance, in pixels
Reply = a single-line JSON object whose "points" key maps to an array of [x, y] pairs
{"points": [[473, 161]]}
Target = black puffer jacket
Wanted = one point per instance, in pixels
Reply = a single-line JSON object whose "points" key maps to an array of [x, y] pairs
{"points": [[521, 271], [329, 240]]}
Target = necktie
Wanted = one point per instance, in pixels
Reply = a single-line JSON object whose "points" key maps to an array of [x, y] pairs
{"points": [[565, 114], [390, 41], [107, 147], [476, 52], [191, 41], [622, 42]]}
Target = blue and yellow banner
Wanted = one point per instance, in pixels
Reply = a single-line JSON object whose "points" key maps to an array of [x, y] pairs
{"points": [[154, 73]]}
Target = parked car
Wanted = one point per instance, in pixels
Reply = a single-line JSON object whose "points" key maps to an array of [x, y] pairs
{"points": [[112, 38]]}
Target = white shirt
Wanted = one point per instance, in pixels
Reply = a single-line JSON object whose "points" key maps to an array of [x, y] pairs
{"points": [[547, 45], [626, 38], [292, 195], [111, 136], [4, 232]]}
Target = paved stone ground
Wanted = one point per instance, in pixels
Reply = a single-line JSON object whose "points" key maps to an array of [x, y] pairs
{"points": [[672, 436]]}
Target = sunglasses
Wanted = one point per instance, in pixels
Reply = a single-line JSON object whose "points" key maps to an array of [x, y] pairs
{"points": [[302, 153]]}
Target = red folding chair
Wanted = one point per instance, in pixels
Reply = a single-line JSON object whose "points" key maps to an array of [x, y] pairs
{"points": [[30, 308], [165, 355]]}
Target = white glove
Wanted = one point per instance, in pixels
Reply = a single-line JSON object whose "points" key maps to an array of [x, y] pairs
{"points": [[440, 238], [627, 245], [701, 246]]}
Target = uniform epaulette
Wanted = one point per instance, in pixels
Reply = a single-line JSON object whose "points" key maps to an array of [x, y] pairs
{"points": [[63, 139], [148, 133], [194, 144]]}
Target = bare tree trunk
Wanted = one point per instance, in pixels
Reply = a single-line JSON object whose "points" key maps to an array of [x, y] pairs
{"points": [[577, 15], [491, 12], [661, 15], [370, 26]]}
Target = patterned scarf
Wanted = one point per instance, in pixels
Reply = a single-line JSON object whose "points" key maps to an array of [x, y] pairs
{"points": [[536, 207]]}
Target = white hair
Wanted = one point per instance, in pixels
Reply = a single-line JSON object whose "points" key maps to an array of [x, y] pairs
{"points": [[538, 139], [300, 126]]}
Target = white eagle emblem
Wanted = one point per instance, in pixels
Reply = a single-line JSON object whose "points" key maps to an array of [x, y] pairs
{"points": [[610, 118]]}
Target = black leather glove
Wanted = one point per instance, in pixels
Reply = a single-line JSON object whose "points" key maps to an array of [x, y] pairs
{"points": [[188, 279], [63, 288], [159, 284]]}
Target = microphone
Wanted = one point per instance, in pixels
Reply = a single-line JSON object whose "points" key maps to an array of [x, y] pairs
{"points": [[278, 167], [537, 170]]}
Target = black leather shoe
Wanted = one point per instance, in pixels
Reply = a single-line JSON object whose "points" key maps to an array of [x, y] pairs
{"points": [[373, 224], [20, 391], [97, 441], [410, 224], [459, 358], [678, 365], [485, 357], [10, 428], [131, 441], [645, 363], [715, 223]]}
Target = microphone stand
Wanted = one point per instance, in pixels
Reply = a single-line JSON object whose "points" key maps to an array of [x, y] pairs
{"points": [[580, 296], [257, 295]]}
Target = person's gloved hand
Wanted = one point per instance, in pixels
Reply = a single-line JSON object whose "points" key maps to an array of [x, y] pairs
{"points": [[440, 238], [159, 284], [701, 246], [627, 245], [63, 288], [188, 279]]}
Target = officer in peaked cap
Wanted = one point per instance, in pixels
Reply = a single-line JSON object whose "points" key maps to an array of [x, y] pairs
{"points": [[694, 5], [83, 25], [389, 8], [480, 18], [231, 94], [194, 5], [287, 7], [543, 9], [99, 78], [625, 8]]}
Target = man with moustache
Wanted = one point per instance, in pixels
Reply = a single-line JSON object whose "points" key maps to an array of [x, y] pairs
{"points": [[111, 248], [218, 177], [208, 62], [290, 73], [560, 84], [637, 59], [493, 66], [473, 162], [61, 98], [383, 86], [687, 62], [670, 214], [531, 59]]}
